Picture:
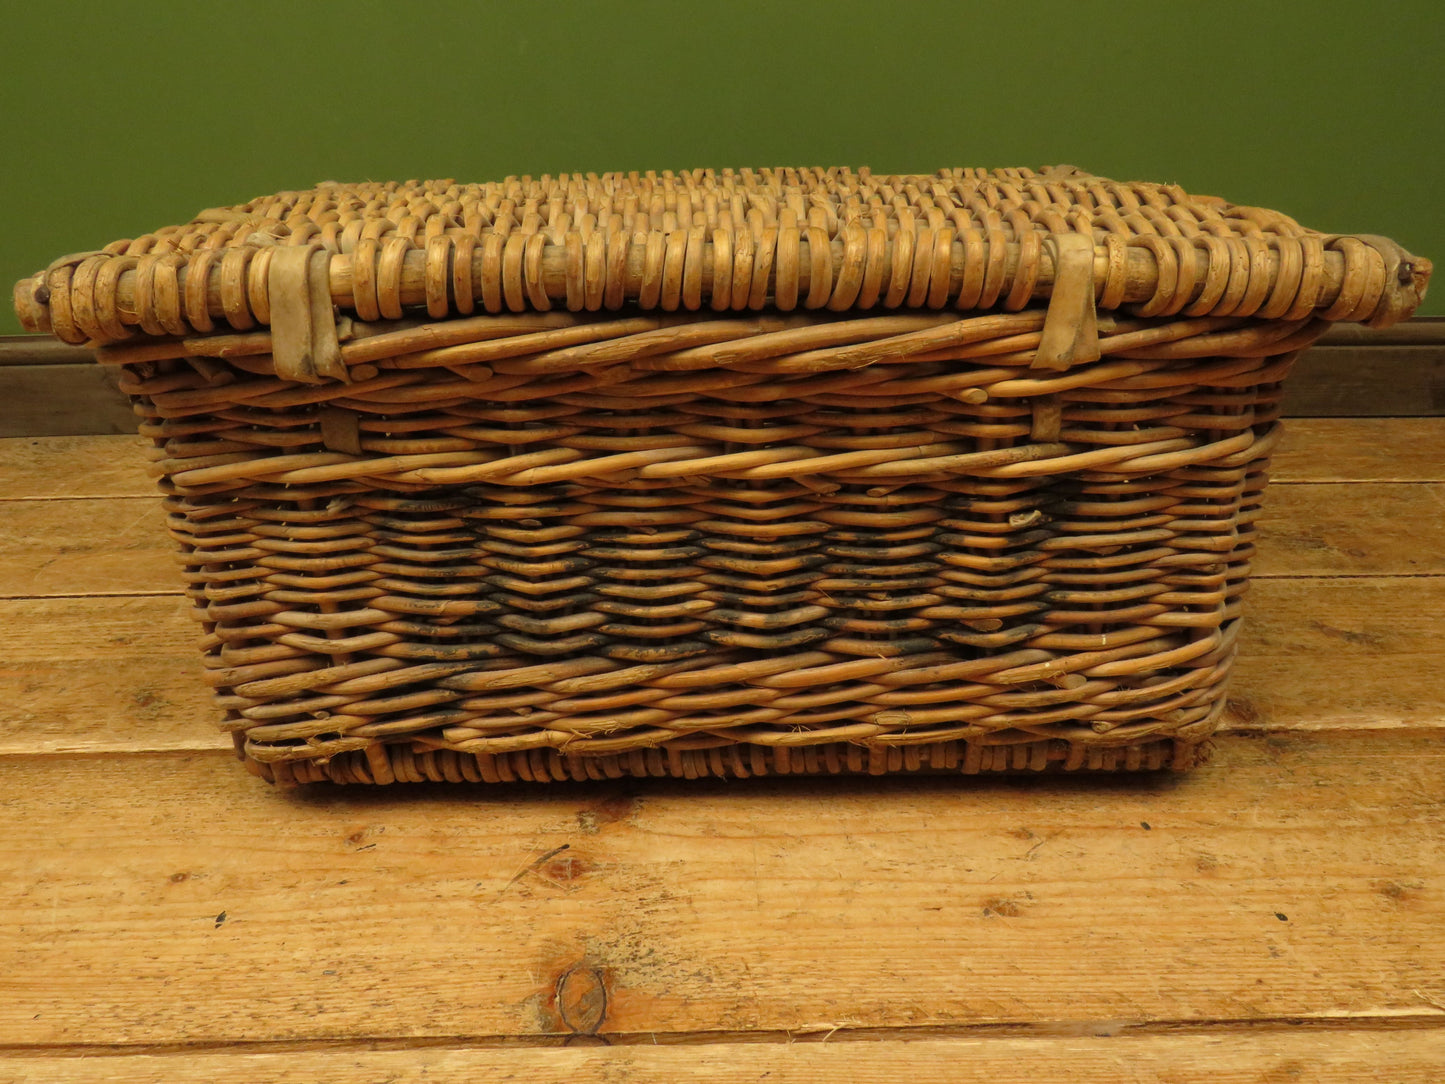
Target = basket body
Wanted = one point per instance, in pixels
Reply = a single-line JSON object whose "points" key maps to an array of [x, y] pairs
{"points": [[723, 528]]}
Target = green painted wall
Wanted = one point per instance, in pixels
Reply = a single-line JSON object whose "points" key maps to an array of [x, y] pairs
{"points": [[117, 118]]}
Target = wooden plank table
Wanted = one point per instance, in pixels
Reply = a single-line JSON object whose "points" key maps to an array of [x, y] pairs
{"points": [[1275, 916]]}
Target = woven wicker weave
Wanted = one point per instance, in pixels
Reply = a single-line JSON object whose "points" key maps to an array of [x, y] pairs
{"points": [[717, 474]]}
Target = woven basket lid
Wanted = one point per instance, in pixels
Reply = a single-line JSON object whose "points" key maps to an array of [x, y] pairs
{"points": [[833, 240]]}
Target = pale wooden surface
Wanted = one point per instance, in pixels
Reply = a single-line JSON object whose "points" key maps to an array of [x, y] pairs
{"points": [[1277, 915]]}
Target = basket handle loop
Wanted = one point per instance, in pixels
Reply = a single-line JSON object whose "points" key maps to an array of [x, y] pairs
{"points": [[304, 343], [1071, 329], [1406, 279]]}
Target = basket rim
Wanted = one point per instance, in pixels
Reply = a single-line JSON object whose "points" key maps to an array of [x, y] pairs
{"points": [[833, 240]]}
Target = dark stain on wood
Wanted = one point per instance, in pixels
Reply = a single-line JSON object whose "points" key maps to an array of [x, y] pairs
{"points": [[565, 868], [581, 999], [1004, 908], [1242, 712], [617, 809]]}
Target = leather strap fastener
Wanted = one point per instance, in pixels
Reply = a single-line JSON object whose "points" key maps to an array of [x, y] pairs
{"points": [[304, 343], [1071, 330]]}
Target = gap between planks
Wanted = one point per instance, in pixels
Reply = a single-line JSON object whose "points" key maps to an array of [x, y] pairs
{"points": [[1042, 1032], [1247, 1058]]}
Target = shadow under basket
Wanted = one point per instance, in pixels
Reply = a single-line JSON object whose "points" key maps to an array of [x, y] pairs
{"points": [[717, 474]]}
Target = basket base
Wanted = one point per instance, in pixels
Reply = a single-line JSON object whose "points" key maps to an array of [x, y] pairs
{"points": [[401, 764]]}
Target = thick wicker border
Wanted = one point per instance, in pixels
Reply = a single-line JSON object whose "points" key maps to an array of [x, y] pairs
{"points": [[751, 240]]}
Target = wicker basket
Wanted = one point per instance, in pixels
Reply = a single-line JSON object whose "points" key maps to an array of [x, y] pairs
{"points": [[717, 474]]}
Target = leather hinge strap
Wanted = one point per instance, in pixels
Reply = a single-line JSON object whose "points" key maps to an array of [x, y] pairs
{"points": [[340, 430], [304, 342], [1047, 418], [1071, 329]]}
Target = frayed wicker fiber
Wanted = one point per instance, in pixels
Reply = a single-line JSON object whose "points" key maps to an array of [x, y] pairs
{"points": [[717, 474]]}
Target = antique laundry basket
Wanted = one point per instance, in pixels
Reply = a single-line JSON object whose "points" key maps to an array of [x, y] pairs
{"points": [[717, 474]]}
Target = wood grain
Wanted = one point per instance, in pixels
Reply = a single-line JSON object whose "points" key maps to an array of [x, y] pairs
{"points": [[1337, 529], [61, 400], [1296, 877], [1361, 450], [1344, 694], [1218, 1056], [102, 675], [1368, 381], [1342, 654], [1346, 617], [86, 546], [37, 468]]}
